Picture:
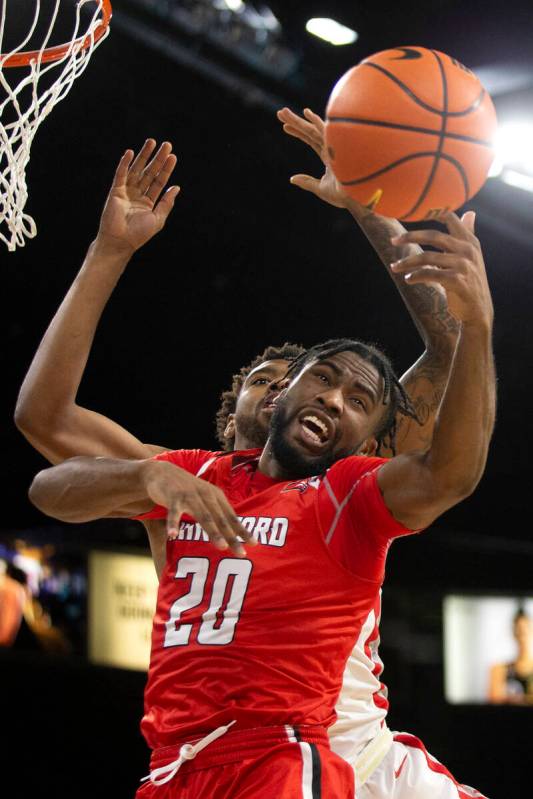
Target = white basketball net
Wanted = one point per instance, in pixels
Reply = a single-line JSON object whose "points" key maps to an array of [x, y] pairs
{"points": [[22, 123]]}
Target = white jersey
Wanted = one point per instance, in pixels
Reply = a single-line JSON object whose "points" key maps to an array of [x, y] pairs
{"points": [[392, 766], [362, 704]]}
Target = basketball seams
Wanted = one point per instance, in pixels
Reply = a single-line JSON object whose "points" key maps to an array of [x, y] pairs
{"points": [[403, 86], [410, 128], [429, 154], [440, 145]]}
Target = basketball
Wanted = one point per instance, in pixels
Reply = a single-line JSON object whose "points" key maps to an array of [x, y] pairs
{"points": [[410, 130]]}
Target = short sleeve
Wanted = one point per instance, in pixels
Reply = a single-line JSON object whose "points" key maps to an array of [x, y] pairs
{"points": [[195, 461], [364, 527]]}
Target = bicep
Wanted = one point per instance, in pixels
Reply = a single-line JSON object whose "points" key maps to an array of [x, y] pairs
{"points": [[409, 491], [85, 432], [424, 383]]}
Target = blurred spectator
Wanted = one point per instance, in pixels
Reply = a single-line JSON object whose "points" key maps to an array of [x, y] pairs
{"points": [[13, 597], [512, 683]]}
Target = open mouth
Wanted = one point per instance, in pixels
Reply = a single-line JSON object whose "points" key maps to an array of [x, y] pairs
{"points": [[314, 430]]}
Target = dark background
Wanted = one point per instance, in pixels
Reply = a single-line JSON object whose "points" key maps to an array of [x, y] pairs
{"points": [[247, 260]]}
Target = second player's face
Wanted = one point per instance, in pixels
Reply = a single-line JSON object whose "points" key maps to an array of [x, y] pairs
{"points": [[331, 410], [256, 404]]}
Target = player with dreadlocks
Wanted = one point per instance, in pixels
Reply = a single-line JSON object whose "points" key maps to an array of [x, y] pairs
{"points": [[255, 644], [251, 397], [395, 398], [58, 427]]}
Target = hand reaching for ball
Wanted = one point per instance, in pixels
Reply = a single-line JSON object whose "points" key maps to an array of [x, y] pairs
{"points": [[458, 267], [310, 130]]}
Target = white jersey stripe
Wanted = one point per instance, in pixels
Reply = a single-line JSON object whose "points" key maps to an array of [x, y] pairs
{"points": [[307, 771], [291, 736], [330, 492], [205, 466], [343, 504]]}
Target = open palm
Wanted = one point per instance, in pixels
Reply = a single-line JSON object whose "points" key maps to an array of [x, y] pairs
{"points": [[134, 209]]}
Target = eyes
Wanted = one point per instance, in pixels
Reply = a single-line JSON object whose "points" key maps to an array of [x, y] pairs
{"points": [[356, 401], [261, 381]]}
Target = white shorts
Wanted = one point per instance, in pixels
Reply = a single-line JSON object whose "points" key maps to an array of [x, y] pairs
{"points": [[408, 771]]}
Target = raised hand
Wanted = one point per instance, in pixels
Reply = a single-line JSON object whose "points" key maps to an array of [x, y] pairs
{"points": [[134, 209], [310, 130], [181, 492], [459, 267]]}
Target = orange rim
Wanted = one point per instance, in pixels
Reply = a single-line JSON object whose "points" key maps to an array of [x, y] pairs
{"points": [[57, 52]]}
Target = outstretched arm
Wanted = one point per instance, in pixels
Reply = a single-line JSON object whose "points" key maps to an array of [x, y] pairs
{"points": [[81, 489], [418, 487], [425, 381], [47, 412]]}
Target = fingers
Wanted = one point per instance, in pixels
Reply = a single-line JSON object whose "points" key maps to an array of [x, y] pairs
{"points": [[121, 172], [439, 260], [315, 120], [174, 513], [306, 182], [309, 130], [166, 204], [214, 514], [469, 220], [149, 177], [140, 161], [159, 180], [460, 228], [232, 530], [448, 279], [155, 167], [436, 238], [311, 119]]}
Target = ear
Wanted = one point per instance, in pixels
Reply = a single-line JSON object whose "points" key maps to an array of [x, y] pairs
{"points": [[368, 447], [229, 432]]}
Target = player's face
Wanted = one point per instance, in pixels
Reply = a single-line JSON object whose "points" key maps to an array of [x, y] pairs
{"points": [[331, 410], [256, 404]]}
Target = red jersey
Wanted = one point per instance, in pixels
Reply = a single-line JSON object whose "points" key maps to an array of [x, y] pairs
{"points": [[264, 640]]}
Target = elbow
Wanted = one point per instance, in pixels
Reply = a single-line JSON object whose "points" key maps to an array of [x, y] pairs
{"points": [[31, 423], [43, 495], [460, 487], [39, 494], [443, 493], [22, 418]]}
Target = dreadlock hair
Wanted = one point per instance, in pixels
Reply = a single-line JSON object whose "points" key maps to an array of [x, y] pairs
{"points": [[395, 397], [287, 352]]}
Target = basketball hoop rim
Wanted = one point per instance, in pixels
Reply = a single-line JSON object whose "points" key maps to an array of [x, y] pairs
{"points": [[57, 52]]}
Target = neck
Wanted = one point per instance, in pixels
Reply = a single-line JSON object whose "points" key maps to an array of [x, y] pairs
{"points": [[241, 442], [270, 466]]}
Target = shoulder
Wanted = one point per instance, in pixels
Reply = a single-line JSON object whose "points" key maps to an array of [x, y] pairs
{"points": [[353, 484], [345, 473], [192, 460]]}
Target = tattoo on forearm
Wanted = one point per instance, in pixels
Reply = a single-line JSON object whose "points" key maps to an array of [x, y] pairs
{"points": [[426, 303]]}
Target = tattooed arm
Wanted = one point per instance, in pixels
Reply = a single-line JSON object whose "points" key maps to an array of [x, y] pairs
{"points": [[426, 380]]}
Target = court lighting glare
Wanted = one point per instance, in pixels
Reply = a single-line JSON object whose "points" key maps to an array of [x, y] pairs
{"points": [[234, 5], [517, 179], [331, 31], [513, 162]]}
